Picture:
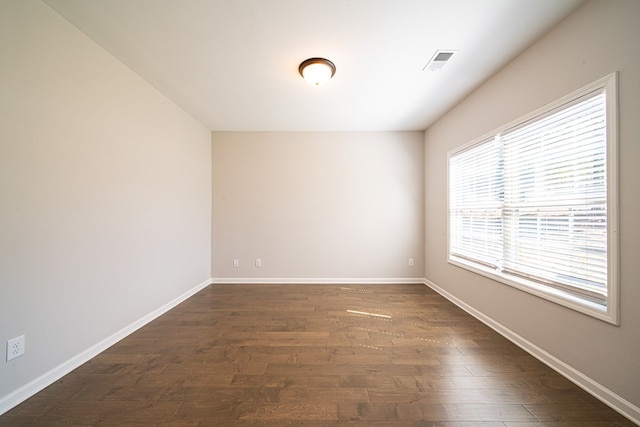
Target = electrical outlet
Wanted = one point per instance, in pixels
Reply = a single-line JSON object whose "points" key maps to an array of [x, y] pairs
{"points": [[15, 347], [258, 262], [236, 263], [411, 263]]}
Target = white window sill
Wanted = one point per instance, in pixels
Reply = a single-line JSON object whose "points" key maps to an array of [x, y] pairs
{"points": [[606, 314]]}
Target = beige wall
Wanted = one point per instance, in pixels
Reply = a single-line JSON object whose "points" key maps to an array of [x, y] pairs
{"points": [[104, 194], [318, 205], [598, 39]]}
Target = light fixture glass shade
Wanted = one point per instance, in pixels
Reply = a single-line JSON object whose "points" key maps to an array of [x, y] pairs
{"points": [[317, 71]]}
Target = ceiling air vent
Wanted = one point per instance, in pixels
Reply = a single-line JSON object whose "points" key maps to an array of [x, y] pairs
{"points": [[438, 60]]}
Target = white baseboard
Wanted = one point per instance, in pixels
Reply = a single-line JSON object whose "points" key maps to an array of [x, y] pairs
{"points": [[319, 281], [592, 387], [26, 391]]}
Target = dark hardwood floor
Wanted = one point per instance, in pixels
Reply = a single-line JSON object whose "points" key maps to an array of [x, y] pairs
{"points": [[314, 355]]}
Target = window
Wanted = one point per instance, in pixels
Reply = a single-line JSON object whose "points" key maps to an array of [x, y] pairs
{"points": [[534, 205]]}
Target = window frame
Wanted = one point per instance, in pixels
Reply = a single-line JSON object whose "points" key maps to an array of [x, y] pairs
{"points": [[610, 313]]}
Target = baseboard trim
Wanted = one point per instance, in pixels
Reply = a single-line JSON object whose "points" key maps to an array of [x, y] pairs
{"points": [[318, 281], [592, 387], [26, 391]]}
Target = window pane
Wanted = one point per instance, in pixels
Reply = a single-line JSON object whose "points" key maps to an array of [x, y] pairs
{"points": [[476, 203], [555, 217]]}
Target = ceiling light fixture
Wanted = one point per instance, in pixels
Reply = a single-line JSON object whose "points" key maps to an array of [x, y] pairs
{"points": [[317, 71]]}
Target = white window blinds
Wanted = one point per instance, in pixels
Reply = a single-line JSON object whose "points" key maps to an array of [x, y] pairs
{"points": [[476, 182], [531, 204], [555, 199]]}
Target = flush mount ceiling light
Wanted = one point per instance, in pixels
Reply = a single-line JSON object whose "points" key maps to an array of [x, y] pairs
{"points": [[317, 71]]}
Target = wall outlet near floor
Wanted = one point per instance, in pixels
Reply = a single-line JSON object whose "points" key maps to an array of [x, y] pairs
{"points": [[15, 347], [258, 262], [236, 263], [411, 262]]}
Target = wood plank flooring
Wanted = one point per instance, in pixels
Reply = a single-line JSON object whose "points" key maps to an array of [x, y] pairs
{"points": [[314, 355]]}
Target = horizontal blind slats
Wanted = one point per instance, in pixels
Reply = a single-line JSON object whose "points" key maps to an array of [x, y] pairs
{"points": [[533, 200]]}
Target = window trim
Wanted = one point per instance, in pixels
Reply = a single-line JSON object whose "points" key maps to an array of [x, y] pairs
{"points": [[611, 314]]}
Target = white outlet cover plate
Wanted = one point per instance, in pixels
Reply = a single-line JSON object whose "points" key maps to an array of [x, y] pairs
{"points": [[15, 347]]}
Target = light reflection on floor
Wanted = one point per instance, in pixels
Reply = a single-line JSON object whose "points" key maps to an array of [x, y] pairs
{"points": [[367, 312]]}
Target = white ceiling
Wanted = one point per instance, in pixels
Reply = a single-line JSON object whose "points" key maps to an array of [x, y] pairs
{"points": [[233, 64]]}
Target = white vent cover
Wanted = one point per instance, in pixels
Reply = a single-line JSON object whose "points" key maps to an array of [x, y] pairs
{"points": [[438, 60]]}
